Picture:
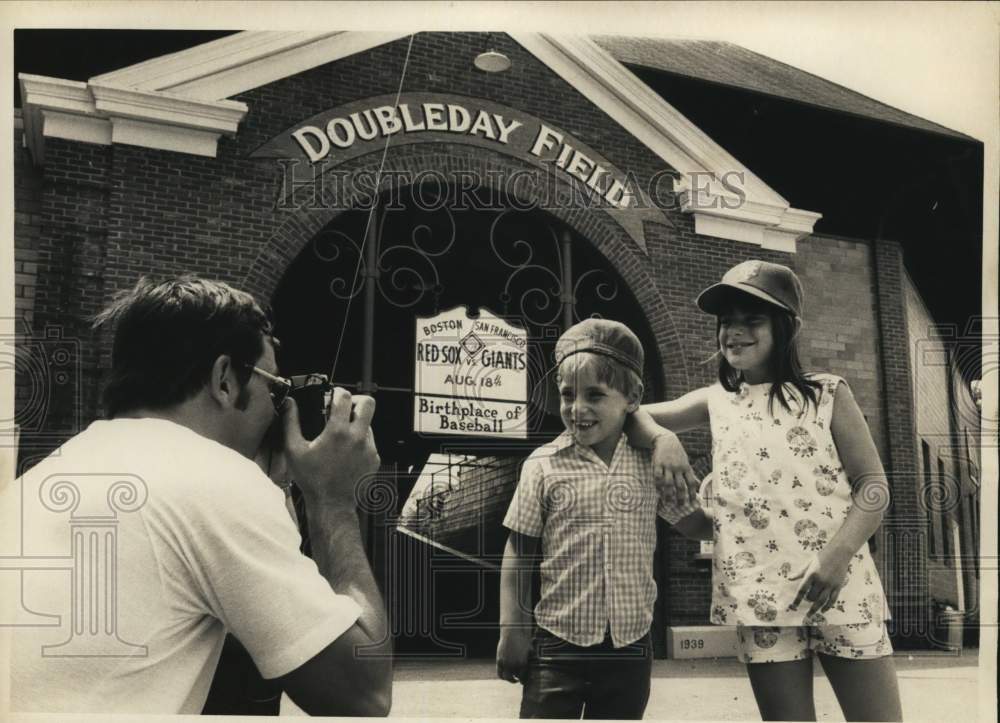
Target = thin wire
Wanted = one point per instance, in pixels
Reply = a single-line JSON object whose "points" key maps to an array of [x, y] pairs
{"points": [[371, 214]]}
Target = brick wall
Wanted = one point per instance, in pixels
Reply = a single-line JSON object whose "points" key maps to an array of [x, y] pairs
{"points": [[58, 229], [903, 536], [930, 394], [71, 250], [27, 222], [942, 406], [839, 332]]}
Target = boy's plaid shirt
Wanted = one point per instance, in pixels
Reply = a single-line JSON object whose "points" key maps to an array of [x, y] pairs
{"points": [[598, 530]]}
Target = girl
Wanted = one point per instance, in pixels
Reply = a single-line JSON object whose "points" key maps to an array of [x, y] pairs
{"points": [[798, 489]]}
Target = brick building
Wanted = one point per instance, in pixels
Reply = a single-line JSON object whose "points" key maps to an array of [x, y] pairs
{"points": [[576, 177]]}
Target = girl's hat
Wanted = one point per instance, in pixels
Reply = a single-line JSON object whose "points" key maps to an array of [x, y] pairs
{"points": [[773, 283]]}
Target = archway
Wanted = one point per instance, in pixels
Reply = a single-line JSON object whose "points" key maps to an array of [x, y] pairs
{"points": [[430, 249]]}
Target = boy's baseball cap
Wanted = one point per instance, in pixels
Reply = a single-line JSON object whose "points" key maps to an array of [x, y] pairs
{"points": [[773, 283], [604, 337]]}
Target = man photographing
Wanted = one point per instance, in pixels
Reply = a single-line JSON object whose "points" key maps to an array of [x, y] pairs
{"points": [[193, 389]]}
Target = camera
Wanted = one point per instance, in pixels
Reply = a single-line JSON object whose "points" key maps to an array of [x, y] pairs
{"points": [[312, 394], [312, 397]]}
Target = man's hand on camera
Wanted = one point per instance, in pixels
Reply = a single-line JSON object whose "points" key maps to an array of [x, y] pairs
{"points": [[329, 467]]}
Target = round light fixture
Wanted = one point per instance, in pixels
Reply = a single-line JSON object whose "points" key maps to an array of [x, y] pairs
{"points": [[492, 62]]}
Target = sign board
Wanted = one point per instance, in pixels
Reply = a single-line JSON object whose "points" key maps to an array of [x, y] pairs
{"points": [[312, 149], [470, 375], [701, 641]]}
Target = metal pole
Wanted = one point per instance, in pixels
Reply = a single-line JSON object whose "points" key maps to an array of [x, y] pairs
{"points": [[567, 298], [367, 385]]}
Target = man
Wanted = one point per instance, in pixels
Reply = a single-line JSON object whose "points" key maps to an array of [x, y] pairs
{"points": [[208, 546]]}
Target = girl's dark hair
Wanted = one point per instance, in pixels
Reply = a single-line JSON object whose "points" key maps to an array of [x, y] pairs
{"points": [[167, 336], [785, 367]]}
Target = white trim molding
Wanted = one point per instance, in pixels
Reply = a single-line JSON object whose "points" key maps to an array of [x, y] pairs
{"points": [[184, 94], [104, 114], [725, 197], [741, 218], [238, 63], [179, 102], [222, 116], [87, 129], [62, 99]]}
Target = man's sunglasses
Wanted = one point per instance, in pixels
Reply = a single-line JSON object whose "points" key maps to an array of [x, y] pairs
{"points": [[279, 387]]}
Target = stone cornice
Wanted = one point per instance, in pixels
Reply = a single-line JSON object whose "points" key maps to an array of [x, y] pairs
{"points": [[101, 113], [222, 116]]}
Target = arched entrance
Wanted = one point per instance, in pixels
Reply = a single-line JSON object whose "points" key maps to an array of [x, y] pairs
{"points": [[347, 306]]}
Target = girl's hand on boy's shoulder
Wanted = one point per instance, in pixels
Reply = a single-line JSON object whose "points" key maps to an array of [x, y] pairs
{"points": [[672, 471]]}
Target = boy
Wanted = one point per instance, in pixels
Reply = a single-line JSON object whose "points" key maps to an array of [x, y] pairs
{"points": [[589, 498]]}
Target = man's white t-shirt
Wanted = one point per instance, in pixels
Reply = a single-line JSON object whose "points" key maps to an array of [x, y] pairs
{"points": [[177, 540]]}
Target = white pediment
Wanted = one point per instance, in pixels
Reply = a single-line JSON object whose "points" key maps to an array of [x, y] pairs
{"points": [[180, 102]]}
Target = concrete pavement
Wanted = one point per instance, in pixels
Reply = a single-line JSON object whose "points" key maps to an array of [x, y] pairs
{"points": [[934, 687]]}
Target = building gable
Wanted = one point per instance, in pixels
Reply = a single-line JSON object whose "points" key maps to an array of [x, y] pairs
{"points": [[182, 102]]}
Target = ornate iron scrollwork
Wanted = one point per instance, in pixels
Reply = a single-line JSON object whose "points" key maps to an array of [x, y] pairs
{"points": [[407, 265], [541, 302], [403, 272]]}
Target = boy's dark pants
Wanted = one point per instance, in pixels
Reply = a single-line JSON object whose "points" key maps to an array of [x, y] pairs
{"points": [[564, 680]]}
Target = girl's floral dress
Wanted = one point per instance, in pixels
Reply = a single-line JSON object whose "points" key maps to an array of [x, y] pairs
{"points": [[779, 494]]}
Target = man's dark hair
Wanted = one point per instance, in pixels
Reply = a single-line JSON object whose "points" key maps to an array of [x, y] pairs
{"points": [[168, 334]]}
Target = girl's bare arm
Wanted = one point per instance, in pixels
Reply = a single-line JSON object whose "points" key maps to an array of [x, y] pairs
{"points": [[653, 426], [821, 584]]}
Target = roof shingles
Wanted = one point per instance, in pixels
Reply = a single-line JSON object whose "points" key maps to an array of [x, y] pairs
{"points": [[729, 64]]}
